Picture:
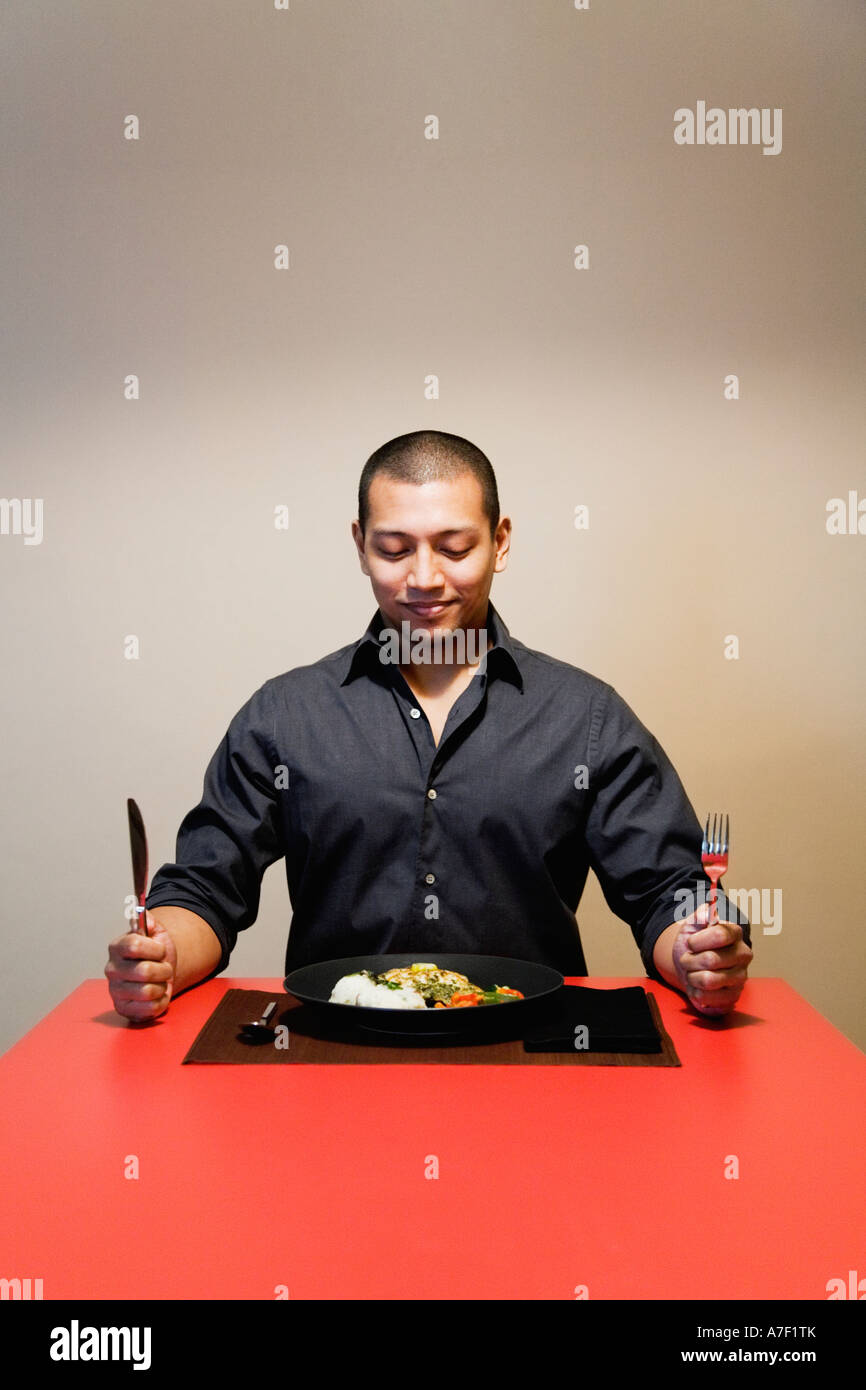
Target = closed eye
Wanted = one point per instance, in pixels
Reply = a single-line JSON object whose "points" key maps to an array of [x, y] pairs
{"points": [[451, 554]]}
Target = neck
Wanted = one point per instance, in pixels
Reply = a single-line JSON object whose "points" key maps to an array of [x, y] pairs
{"points": [[449, 659]]}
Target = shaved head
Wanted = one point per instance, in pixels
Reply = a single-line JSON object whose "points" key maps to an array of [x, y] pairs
{"points": [[427, 456]]}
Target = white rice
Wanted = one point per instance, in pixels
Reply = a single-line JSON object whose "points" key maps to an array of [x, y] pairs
{"points": [[360, 989]]}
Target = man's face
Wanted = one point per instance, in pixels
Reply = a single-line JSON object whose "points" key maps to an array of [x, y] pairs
{"points": [[429, 553]]}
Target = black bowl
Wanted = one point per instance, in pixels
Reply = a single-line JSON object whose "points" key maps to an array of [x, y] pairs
{"points": [[312, 984]]}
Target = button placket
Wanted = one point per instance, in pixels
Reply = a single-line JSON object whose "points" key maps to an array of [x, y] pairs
{"points": [[431, 796]]}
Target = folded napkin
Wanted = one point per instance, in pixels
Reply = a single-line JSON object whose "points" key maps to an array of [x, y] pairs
{"points": [[610, 1020]]}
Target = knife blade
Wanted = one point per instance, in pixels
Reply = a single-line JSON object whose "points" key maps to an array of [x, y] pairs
{"points": [[138, 845]]}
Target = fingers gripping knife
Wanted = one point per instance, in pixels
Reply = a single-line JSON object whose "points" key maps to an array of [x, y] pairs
{"points": [[138, 845]]}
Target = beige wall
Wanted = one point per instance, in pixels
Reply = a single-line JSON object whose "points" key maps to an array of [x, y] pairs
{"points": [[411, 257]]}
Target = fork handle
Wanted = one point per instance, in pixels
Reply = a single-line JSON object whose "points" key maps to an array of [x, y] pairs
{"points": [[713, 875]]}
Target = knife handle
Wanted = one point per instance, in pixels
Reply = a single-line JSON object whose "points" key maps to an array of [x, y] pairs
{"points": [[139, 921]]}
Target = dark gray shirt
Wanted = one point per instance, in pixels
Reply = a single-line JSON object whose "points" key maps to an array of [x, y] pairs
{"points": [[482, 844]]}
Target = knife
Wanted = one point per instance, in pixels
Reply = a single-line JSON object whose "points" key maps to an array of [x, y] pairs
{"points": [[138, 845]]}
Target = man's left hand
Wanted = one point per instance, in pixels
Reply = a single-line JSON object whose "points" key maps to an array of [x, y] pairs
{"points": [[711, 962]]}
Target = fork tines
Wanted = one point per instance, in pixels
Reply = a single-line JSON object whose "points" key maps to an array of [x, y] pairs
{"points": [[713, 843]]}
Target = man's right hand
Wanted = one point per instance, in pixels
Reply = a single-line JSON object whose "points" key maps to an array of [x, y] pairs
{"points": [[141, 972]]}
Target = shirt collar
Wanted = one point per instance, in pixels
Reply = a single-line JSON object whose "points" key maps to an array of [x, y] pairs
{"points": [[501, 658]]}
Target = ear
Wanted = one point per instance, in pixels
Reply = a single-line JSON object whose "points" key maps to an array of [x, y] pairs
{"points": [[358, 538], [503, 543]]}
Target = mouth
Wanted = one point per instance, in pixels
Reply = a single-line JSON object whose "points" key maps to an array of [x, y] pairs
{"points": [[428, 610]]}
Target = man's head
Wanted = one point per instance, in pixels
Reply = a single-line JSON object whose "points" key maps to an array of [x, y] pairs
{"points": [[429, 534]]}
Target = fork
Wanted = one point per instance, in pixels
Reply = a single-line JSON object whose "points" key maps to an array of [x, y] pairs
{"points": [[714, 857]]}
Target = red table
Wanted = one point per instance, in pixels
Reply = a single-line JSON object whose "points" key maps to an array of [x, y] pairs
{"points": [[313, 1177]]}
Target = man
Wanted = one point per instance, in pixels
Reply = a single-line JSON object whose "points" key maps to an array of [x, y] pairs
{"points": [[430, 793]]}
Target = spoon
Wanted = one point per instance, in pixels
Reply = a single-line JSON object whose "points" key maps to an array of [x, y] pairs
{"points": [[261, 1025]]}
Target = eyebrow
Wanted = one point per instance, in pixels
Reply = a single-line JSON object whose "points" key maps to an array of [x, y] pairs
{"points": [[452, 531]]}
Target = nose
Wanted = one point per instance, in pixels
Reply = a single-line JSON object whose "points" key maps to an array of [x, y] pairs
{"points": [[424, 572]]}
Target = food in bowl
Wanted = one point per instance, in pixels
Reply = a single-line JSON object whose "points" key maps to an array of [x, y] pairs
{"points": [[418, 986]]}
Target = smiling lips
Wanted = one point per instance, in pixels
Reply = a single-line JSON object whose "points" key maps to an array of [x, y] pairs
{"points": [[428, 610]]}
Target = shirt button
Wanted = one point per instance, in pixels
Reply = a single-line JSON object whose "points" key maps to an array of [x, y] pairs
{"points": [[432, 793], [415, 714], [429, 878]]}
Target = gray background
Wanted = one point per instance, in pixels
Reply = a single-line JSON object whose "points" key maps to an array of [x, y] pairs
{"points": [[410, 257]]}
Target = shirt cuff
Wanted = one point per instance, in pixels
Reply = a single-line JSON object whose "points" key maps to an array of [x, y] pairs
{"points": [[209, 916]]}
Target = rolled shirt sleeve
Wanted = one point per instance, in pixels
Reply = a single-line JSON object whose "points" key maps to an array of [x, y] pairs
{"points": [[642, 834], [225, 843]]}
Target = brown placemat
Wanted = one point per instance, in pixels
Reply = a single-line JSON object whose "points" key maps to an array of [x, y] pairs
{"points": [[310, 1039]]}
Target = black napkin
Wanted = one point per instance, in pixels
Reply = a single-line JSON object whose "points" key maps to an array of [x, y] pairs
{"points": [[618, 1020]]}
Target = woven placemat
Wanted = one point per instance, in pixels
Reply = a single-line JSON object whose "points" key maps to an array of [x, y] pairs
{"points": [[307, 1038]]}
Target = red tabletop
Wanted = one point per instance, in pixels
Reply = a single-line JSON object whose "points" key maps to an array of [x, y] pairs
{"points": [[312, 1177]]}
